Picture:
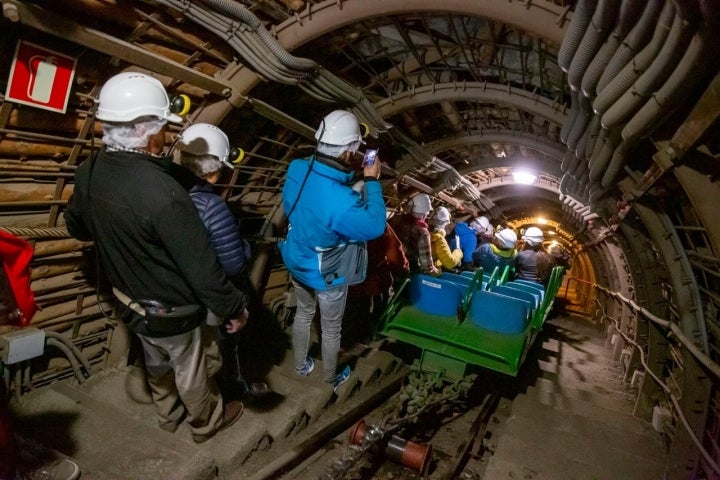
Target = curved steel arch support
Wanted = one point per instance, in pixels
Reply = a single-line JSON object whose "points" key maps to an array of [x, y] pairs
{"points": [[506, 180], [473, 92], [529, 140], [646, 271], [682, 278], [546, 167], [602, 266], [621, 281], [541, 17]]}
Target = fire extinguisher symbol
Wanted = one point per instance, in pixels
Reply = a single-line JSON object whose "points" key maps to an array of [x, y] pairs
{"points": [[42, 76]]}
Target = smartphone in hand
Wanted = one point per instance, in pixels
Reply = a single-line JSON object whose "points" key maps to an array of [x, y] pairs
{"points": [[369, 157]]}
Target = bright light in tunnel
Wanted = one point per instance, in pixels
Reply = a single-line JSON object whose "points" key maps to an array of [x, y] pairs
{"points": [[525, 178], [542, 221]]}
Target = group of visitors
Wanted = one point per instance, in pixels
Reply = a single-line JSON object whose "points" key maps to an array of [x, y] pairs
{"points": [[434, 243], [177, 261]]}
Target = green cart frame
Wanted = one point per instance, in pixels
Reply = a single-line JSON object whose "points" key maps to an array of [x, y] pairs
{"points": [[474, 335]]}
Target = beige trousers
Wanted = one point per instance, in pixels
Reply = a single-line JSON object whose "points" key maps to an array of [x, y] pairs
{"points": [[180, 371]]}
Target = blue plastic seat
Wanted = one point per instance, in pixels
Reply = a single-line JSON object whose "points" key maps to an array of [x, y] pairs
{"points": [[499, 313], [517, 293], [435, 296], [455, 278], [538, 286], [529, 289]]}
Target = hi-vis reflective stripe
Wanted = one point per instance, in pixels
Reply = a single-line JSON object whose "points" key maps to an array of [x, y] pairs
{"points": [[127, 301]]}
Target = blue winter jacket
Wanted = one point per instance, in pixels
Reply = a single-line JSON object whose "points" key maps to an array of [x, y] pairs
{"points": [[468, 241], [488, 256], [231, 249], [327, 215]]}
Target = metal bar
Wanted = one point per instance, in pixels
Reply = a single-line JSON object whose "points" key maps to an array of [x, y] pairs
{"points": [[40, 19], [45, 203], [411, 46], [702, 267], [174, 33], [695, 125], [479, 425], [701, 256], [702, 117], [318, 439], [35, 174], [689, 228], [282, 118], [710, 294], [40, 136]]}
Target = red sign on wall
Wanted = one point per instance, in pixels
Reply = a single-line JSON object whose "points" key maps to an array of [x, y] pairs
{"points": [[40, 77]]}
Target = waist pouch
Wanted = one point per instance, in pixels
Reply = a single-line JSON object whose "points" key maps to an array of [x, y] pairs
{"points": [[344, 264], [162, 321]]}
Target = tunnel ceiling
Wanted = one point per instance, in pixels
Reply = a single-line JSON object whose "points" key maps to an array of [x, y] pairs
{"points": [[458, 95], [478, 95]]}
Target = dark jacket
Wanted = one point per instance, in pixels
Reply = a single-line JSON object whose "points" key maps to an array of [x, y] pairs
{"points": [[149, 236], [232, 250], [534, 264], [488, 256]]}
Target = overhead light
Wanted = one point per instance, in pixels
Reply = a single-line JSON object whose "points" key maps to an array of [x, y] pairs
{"points": [[524, 177], [541, 221]]}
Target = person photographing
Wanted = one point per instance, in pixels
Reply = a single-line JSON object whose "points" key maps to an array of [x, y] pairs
{"points": [[325, 249]]}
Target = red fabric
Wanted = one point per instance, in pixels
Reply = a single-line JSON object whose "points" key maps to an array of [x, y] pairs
{"points": [[386, 260], [16, 254]]}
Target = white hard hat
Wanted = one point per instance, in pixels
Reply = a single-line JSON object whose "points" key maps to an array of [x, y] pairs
{"points": [[507, 237], [420, 204], [480, 225], [441, 215], [130, 95], [533, 236], [339, 128], [206, 139]]}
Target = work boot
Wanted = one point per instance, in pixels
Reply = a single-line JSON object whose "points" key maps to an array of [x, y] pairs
{"points": [[231, 412], [256, 392]]}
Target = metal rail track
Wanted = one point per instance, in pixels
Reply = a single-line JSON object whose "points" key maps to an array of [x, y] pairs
{"points": [[328, 452], [336, 420]]}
